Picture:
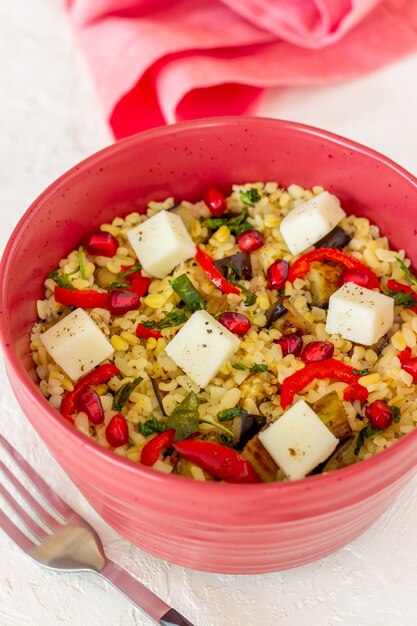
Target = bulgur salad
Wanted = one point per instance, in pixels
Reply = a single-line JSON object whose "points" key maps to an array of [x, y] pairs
{"points": [[258, 337]]}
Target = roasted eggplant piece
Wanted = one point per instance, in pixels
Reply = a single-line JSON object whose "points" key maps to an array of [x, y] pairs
{"points": [[337, 238], [343, 456], [259, 386], [332, 413], [292, 321], [274, 312], [241, 261], [380, 345], [263, 464], [323, 278], [158, 394], [217, 304], [245, 426]]}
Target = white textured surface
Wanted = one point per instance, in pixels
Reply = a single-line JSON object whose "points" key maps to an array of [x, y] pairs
{"points": [[50, 119]]}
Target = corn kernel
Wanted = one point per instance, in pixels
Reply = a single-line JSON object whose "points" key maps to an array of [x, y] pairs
{"points": [[369, 379], [109, 228], [398, 340], [155, 300], [151, 343], [222, 234], [271, 221], [263, 301], [131, 339], [284, 199], [119, 344], [195, 228]]}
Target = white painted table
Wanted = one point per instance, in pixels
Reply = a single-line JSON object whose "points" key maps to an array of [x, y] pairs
{"points": [[51, 119]]}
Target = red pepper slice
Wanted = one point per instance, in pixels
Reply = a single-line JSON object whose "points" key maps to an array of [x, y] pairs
{"points": [[394, 285], [140, 285], [101, 374], [143, 332], [302, 265], [404, 355], [408, 364], [356, 391], [154, 447], [219, 460], [331, 368], [83, 298], [206, 263]]}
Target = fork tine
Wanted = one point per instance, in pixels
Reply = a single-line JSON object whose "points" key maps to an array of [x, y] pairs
{"points": [[54, 500], [15, 534], [30, 524], [41, 512]]}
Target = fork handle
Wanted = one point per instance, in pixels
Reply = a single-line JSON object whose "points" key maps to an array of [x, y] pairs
{"points": [[142, 597]]}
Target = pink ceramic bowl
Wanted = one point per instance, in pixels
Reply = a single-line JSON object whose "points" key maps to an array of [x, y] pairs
{"points": [[210, 526]]}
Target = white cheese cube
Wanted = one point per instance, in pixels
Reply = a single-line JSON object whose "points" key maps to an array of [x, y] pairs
{"points": [[359, 314], [298, 441], [202, 347], [77, 344], [310, 221], [161, 243]]}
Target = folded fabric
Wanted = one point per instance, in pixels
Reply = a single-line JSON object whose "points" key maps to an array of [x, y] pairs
{"points": [[158, 61]]}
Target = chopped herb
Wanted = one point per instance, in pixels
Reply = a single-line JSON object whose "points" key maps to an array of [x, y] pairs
{"points": [[225, 430], [229, 414], [61, 280], [397, 414], [135, 268], [402, 298], [406, 271], [250, 196], [131, 442], [174, 318], [235, 223], [366, 432], [117, 285], [183, 286], [240, 366], [122, 396], [235, 277], [360, 372], [256, 367], [226, 440], [152, 425], [81, 258], [184, 418]]}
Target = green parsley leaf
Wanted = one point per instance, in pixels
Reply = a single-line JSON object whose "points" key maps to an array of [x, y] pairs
{"points": [[361, 372], [235, 223], [152, 425], [81, 259], [117, 285], [229, 414], [365, 433], [183, 286], [397, 414], [226, 440], [235, 277], [184, 418], [406, 271], [225, 430], [258, 367], [174, 318], [404, 299], [240, 366], [250, 196], [122, 396], [61, 280]]}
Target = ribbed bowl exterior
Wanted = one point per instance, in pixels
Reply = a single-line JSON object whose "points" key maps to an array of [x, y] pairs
{"points": [[209, 526]]}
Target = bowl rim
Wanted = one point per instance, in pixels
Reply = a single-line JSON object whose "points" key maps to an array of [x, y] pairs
{"points": [[332, 479]]}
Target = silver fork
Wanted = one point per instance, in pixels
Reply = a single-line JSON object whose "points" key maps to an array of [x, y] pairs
{"points": [[71, 544]]}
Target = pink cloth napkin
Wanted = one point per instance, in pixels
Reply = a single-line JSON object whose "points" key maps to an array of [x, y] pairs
{"points": [[158, 61]]}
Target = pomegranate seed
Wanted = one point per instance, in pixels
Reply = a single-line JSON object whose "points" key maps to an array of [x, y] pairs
{"points": [[140, 285], [117, 431], [250, 240], [215, 201], [101, 243], [237, 323], [290, 344], [317, 351], [379, 414], [90, 403], [121, 301], [277, 274], [410, 366], [353, 276]]}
